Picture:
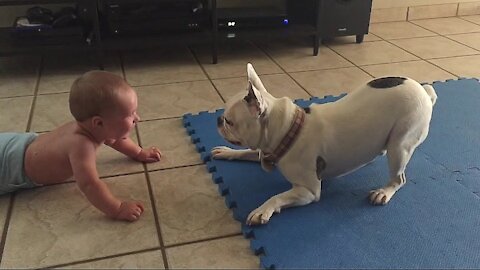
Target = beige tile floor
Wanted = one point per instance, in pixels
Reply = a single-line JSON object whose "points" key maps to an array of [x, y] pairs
{"points": [[186, 223]]}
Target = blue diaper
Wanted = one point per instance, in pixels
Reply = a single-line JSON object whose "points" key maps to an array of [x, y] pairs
{"points": [[12, 152]]}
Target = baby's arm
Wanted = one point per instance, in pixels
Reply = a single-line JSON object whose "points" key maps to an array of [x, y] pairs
{"points": [[133, 150], [82, 160]]}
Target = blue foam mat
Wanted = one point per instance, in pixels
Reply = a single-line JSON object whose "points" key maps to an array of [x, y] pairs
{"points": [[432, 222]]}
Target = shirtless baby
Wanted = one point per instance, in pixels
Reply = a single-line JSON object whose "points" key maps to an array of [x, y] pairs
{"points": [[105, 110]]}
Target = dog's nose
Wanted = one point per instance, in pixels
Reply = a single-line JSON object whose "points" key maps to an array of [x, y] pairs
{"points": [[219, 121]]}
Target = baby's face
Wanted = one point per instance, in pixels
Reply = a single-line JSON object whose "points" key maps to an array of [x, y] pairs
{"points": [[121, 123]]}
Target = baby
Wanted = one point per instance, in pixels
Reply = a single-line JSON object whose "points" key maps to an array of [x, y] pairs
{"points": [[105, 109]]}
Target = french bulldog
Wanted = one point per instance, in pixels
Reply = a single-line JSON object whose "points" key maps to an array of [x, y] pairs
{"points": [[389, 115]]}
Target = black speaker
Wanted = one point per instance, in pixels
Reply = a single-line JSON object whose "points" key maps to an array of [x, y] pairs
{"points": [[302, 11], [344, 18], [335, 17]]}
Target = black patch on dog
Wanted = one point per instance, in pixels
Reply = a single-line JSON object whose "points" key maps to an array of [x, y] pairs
{"points": [[386, 82], [321, 165], [307, 110]]}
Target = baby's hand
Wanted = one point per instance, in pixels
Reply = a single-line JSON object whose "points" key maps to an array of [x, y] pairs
{"points": [[151, 154], [130, 211]]}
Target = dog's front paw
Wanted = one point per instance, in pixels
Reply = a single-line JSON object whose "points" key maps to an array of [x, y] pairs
{"points": [[261, 215], [223, 152], [380, 196]]}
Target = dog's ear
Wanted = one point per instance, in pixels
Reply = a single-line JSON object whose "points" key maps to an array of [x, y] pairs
{"points": [[255, 101], [254, 79], [256, 93]]}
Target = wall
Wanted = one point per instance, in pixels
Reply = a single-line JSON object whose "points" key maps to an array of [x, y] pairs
{"points": [[395, 10], [409, 3]]}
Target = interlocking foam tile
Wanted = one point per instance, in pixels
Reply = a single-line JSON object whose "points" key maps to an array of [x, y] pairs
{"points": [[432, 222]]}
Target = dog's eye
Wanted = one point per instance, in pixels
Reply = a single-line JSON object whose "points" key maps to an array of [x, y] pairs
{"points": [[228, 122]]}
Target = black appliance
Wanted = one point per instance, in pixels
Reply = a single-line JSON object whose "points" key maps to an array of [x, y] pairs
{"points": [[153, 17], [257, 17], [335, 17]]}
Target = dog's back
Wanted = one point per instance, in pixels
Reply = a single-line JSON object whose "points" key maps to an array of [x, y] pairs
{"points": [[361, 124]]}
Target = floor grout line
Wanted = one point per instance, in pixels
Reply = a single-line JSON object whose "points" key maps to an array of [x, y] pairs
{"points": [[206, 73], [35, 94], [108, 176], [102, 258], [145, 250], [204, 240], [420, 58], [157, 220], [154, 206], [12, 196], [427, 60], [280, 67], [6, 225], [327, 45]]}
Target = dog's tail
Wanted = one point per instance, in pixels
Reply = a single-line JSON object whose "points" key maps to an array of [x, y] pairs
{"points": [[430, 92]]}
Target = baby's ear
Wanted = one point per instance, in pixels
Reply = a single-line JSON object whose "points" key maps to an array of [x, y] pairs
{"points": [[97, 121]]}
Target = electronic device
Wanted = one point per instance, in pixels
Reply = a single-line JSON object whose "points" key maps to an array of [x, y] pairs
{"points": [[259, 17], [130, 18]]}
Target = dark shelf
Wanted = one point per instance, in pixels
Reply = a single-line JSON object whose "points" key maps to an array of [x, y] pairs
{"points": [[286, 31], [258, 12], [58, 40], [320, 19], [33, 2], [151, 41], [136, 1], [11, 45]]}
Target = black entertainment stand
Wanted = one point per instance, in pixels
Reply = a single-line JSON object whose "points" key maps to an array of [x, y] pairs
{"points": [[48, 43], [320, 19]]}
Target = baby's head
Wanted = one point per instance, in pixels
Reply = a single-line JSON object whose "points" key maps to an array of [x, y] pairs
{"points": [[96, 93], [104, 100]]}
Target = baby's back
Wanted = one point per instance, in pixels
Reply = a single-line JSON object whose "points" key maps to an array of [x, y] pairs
{"points": [[47, 158]]}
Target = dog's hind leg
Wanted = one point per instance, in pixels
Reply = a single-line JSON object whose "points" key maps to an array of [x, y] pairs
{"points": [[406, 135], [398, 158], [399, 152], [408, 132]]}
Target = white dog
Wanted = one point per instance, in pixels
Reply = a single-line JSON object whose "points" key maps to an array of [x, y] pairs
{"points": [[390, 114]]}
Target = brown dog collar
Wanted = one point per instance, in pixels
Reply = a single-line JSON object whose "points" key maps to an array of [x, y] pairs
{"points": [[270, 159]]}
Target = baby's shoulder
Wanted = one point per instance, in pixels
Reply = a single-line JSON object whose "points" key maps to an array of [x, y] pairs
{"points": [[69, 138], [81, 147], [80, 140]]}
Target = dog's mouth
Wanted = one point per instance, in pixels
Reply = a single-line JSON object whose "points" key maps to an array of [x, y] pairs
{"points": [[224, 135]]}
